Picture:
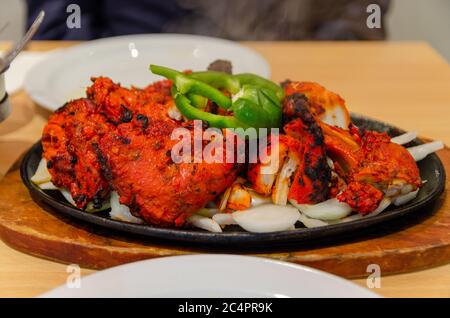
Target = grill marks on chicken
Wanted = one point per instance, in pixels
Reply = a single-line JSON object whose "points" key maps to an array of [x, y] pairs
{"points": [[70, 142], [311, 182], [152, 185], [121, 139]]}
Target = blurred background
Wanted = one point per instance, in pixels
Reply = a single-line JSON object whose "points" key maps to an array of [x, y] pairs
{"points": [[288, 20]]}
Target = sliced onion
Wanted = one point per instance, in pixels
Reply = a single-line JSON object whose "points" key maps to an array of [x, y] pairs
{"points": [[421, 151], [224, 199], [48, 186], [224, 219], [258, 199], [41, 175], [267, 218], [311, 223], [66, 194], [384, 204], [404, 138], [400, 200], [328, 210], [204, 223], [407, 188], [121, 212], [91, 209]]}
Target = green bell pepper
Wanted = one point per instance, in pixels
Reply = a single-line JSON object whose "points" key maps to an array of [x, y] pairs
{"points": [[256, 102]]}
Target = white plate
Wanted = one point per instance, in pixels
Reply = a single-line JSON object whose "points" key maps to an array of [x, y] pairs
{"points": [[211, 276], [66, 73]]}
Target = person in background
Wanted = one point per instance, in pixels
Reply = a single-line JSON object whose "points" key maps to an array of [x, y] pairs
{"points": [[231, 19]]}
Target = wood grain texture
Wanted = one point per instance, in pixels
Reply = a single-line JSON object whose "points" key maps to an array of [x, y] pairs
{"points": [[403, 83], [416, 241]]}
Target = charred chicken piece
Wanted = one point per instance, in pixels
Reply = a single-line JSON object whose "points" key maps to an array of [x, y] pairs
{"points": [[302, 172], [139, 153], [311, 181], [70, 143], [329, 107], [371, 166]]}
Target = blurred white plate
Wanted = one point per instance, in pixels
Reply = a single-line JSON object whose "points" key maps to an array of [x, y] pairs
{"points": [[65, 74], [212, 276]]}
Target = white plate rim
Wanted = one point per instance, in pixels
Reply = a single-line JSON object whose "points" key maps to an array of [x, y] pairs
{"points": [[241, 260], [36, 74]]}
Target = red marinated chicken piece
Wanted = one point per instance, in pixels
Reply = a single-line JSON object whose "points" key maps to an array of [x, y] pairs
{"points": [[371, 164], [362, 197], [121, 138], [311, 181], [70, 146], [118, 103], [138, 152], [151, 184]]}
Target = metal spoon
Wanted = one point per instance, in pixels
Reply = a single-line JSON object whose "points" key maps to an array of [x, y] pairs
{"points": [[5, 106], [11, 55]]}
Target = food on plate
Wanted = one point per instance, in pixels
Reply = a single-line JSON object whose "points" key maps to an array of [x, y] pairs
{"points": [[114, 150], [121, 139]]}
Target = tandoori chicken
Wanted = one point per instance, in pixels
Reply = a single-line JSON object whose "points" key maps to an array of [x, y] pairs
{"points": [[121, 139], [118, 144]]}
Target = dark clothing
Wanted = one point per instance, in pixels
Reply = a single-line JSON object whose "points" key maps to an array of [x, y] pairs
{"points": [[232, 19]]}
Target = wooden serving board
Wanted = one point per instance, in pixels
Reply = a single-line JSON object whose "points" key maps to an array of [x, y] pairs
{"points": [[415, 242]]}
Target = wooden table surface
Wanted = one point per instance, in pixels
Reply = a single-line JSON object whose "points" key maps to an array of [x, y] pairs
{"points": [[407, 84]]}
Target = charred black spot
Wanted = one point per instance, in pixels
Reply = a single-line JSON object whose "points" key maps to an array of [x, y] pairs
{"points": [[127, 115], [194, 169], [74, 159], [135, 209], [157, 145], [320, 177], [97, 201], [124, 140], [301, 181], [296, 106], [311, 173], [79, 198], [102, 160], [143, 120]]}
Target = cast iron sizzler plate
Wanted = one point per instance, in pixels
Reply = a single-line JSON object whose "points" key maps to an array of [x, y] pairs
{"points": [[431, 169]]}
